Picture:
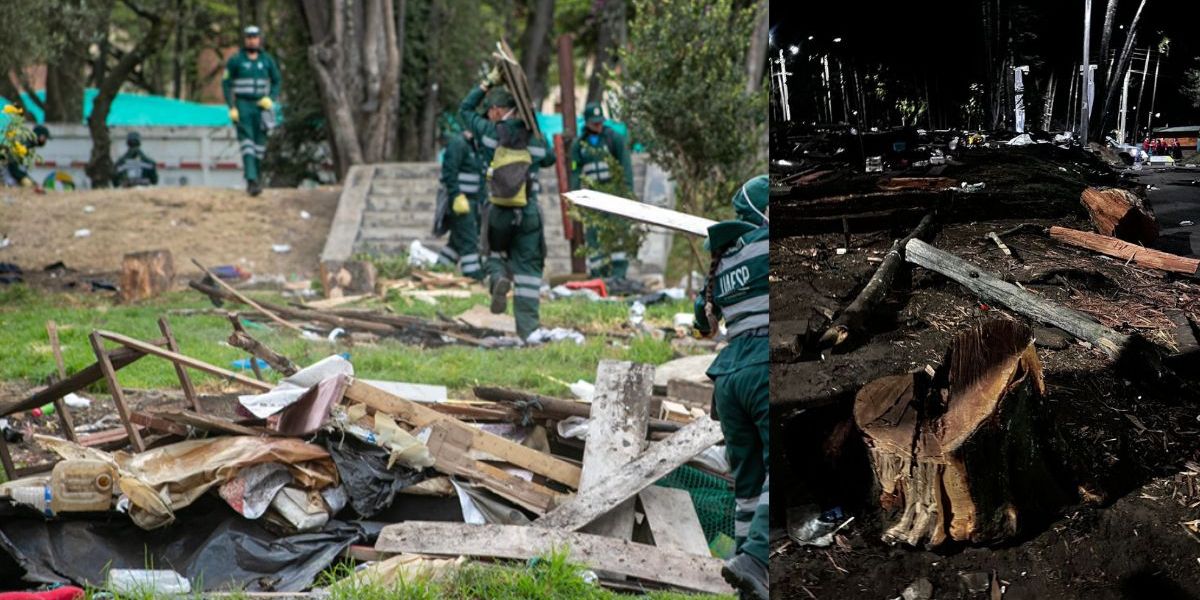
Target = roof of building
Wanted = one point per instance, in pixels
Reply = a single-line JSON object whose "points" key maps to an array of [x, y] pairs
{"points": [[1181, 129]]}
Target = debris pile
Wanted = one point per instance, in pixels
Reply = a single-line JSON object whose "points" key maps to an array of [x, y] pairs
{"points": [[327, 465]]}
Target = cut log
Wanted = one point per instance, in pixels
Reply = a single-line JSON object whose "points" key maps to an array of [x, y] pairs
{"points": [[994, 290], [672, 567], [1111, 246], [958, 456], [653, 464], [1121, 214], [343, 278], [146, 274], [851, 324]]}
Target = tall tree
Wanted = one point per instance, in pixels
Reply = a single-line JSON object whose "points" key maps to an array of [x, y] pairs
{"points": [[100, 166], [355, 55], [1100, 120], [756, 59], [1103, 72], [610, 37], [536, 47]]}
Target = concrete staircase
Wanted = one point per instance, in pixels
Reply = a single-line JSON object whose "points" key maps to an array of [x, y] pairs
{"points": [[384, 207]]}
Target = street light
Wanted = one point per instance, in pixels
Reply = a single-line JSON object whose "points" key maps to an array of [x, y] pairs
{"points": [[810, 38], [837, 40]]}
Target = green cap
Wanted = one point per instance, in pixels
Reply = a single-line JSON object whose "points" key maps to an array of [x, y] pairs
{"points": [[593, 113], [133, 139], [501, 97], [750, 201], [41, 130]]}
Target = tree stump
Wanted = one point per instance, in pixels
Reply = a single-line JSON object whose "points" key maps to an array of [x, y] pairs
{"points": [[958, 455], [146, 274], [343, 278], [1121, 214]]}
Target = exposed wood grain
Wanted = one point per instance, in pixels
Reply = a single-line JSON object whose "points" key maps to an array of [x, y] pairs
{"points": [[1111, 246], [673, 521]]}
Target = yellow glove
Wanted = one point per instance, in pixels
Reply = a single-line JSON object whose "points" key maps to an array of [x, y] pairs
{"points": [[233, 114], [461, 206], [494, 77], [26, 182], [265, 103]]}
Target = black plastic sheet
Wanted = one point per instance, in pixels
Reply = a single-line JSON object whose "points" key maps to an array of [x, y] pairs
{"points": [[209, 544], [363, 470]]}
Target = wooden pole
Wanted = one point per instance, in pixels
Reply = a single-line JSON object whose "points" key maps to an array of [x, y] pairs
{"points": [[1110, 246]]}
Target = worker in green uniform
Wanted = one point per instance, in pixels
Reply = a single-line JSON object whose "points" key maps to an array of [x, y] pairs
{"points": [[463, 179], [251, 87], [134, 168], [736, 290], [514, 241], [14, 171], [590, 154]]}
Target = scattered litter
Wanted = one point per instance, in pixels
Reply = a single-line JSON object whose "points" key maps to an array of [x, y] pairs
{"points": [[281, 248], [921, 589], [840, 251], [585, 390], [637, 314], [77, 401], [1186, 223], [971, 187], [1021, 140], [145, 582], [5, 242], [420, 256], [89, 209], [558, 334], [808, 526], [82, 233], [304, 214]]}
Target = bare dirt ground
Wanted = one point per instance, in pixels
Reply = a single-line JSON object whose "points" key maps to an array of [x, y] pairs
{"points": [[1126, 437], [215, 226]]}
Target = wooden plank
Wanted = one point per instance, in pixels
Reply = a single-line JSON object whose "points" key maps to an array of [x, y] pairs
{"points": [[157, 423], [449, 446], [518, 85], [1111, 246], [640, 212], [343, 231], [175, 357], [114, 388], [120, 357], [996, 291], [616, 435], [189, 391], [60, 407], [205, 422], [515, 542], [244, 300], [417, 415], [673, 521], [653, 464]]}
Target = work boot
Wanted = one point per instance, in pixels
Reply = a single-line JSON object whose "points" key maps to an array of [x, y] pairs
{"points": [[748, 575], [253, 188], [500, 295]]}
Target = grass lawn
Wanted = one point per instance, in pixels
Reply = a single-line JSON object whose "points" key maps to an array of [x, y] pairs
{"points": [[25, 352]]}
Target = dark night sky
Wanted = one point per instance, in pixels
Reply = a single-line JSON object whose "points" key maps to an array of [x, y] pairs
{"points": [[943, 38]]}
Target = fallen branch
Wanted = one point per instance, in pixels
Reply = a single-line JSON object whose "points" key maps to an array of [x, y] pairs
{"points": [[245, 300], [240, 339], [1111, 246], [992, 289], [852, 322]]}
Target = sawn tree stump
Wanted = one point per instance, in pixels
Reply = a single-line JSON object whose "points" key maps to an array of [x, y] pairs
{"points": [[1121, 214], [146, 274], [959, 455]]}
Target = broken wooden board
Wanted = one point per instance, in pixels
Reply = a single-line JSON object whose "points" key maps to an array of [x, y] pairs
{"points": [[640, 212], [416, 415], [671, 516], [1111, 246], [518, 85], [90, 374], [213, 423], [480, 317], [616, 435], [515, 542], [655, 463], [180, 359], [339, 244]]}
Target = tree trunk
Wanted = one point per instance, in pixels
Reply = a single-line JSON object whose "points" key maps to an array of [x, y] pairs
{"points": [[1121, 214], [610, 23], [756, 58], [959, 456], [1110, 17], [100, 165], [1110, 94], [64, 86], [536, 47]]}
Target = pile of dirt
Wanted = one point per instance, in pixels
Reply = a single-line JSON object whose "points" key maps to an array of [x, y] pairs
{"points": [[215, 226]]}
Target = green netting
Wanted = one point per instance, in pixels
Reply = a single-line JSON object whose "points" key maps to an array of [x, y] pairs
{"points": [[712, 496]]}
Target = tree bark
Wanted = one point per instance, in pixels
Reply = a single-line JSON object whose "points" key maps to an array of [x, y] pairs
{"points": [[756, 58], [1121, 214], [536, 47], [609, 24], [1102, 71], [959, 456], [100, 165]]}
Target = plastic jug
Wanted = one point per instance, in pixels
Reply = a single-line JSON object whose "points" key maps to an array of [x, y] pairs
{"points": [[79, 485]]}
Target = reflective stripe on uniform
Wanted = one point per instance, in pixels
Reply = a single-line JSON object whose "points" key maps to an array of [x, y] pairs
{"points": [[449, 252], [521, 292], [756, 304], [747, 252], [537, 151], [469, 177], [528, 280], [619, 256], [468, 188], [741, 529], [490, 142], [747, 504], [748, 323]]}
